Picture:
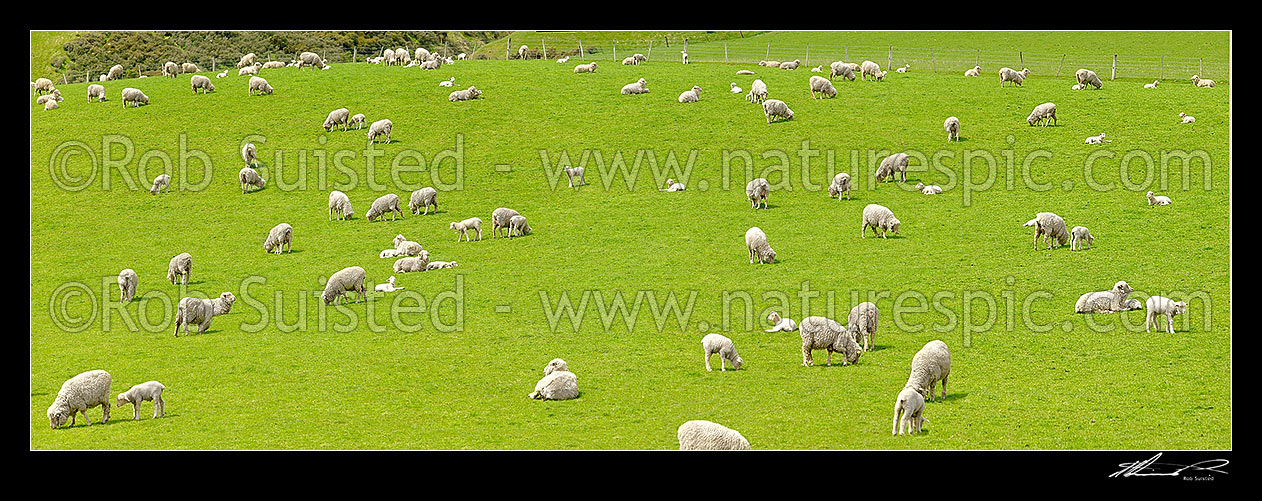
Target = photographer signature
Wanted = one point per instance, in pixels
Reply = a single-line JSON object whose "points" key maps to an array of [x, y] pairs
{"points": [[1151, 468]]}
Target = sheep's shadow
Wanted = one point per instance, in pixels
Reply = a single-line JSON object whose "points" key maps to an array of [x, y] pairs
{"points": [[254, 190], [951, 397], [295, 251]]}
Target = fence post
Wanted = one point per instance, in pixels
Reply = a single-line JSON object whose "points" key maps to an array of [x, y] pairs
{"points": [[1062, 63], [933, 66], [615, 50], [890, 62], [1021, 55], [1202, 72], [67, 81], [768, 56], [541, 42], [808, 54], [1114, 72], [581, 51], [507, 46], [724, 52], [212, 64], [847, 56], [354, 53], [650, 56]]}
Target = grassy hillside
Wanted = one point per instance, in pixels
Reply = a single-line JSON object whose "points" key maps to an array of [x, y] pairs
{"points": [[569, 40], [45, 46]]}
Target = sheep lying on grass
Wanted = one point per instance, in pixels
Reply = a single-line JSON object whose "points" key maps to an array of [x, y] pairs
{"points": [[412, 263], [975, 72], [464, 95], [701, 435], [558, 383], [388, 286], [1152, 85], [585, 68], [1158, 199], [931, 189], [691, 96], [201, 312], [1078, 236], [78, 394], [1110, 301], [1201, 82], [671, 185], [841, 183], [880, 218], [435, 265], [735, 89], [744, 72], [1049, 226], [820, 333], [636, 87], [151, 390], [930, 365], [904, 68], [350, 278], [1184, 118], [1161, 306], [909, 411], [1097, 139], [718, 343], [756, 244], [463, 228], [791, 65], [180, 268], [779, 324]]}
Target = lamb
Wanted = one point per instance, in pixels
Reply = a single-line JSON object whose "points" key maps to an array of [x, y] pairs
{"points": [[424, 197], [134, 96], [43, 86], [464, 226], [170, 69], [1158, 200], [862, 324], [756, 244], [565, 59], [841, 182], [684, 55], [931, 189], [280, 235], [347, 279], [869, 68], [1152, 85], [96, 93], [405, 247], [380, 128], [757, 192], [201, 312], [586, 68], [160, 184], [1184, 118], [127, 285], [388, 203], [779, 324], [823, 86], [341, 204], [465, 95], [1087, 77], [1097, 139], [248, 70], [412, 264], [521, 52], [180, 267], [1045, 113], [744, 72], [699, 435], [189, 68], [891, 166], [1110, 301], [261, 85], [952, 126], [1078, 236], [975, 72], [78, 394], [115, 73], [909, 411], [273, 65], [447, 83], [432, 64], [757, 92], [385, 253], [388, 286], [250, 177], [735, 89], [518, 225], [1157, 306], [1051, 225], [818, 69], [1077, 87], [202, 83], [338, 116], [558, 382], [1010, 75], [776, 108], [46, 98], [573, 172], [671, 185], [636, 87], [769, 64], [500, 219], [820, 333], [246, 60], [930, 365], [1201, 82], [791, 65], [151, 390], [630, 60], [691, 96], [434, 265], [718, 343], [357, 121], [904, 68], [879, 218]]}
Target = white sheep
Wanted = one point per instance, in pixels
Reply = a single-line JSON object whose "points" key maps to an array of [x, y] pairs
{"points": [[1158, 200], [96, 93], [909, 411], [357, 120], [134, 96], [769, 64], [389, 56], [903, 69], [315, 61], [127, 285], [880, 218], [350, 278], [565, 59], [1152, 85], [385, 253], [518, 225], [1110, 301], [691, 96], [160, 184], [465, 95], [447, 83], [930, 365], [261, 85], [412, 263], [1051, 227], [700, 435], [78, 394], [222, 74], [1045, 113], [573, 172], [891, 166], [1010, 75], [820, 333], [423, 54], [338, 116], [432, 64], [202, 83], [1077, 87], [1161, 306], [388, 203], [151, 390], [115, 73], [558, 382], [180, 268], [929, 189], [388, 286], [43, 86], [201, 312], [281, 235], [757, 192], [952, 126], [500, 219], [757, 91], [341, 204], [1097, 139], [250, 177], [735, 89], [586, 68], [461, 56], [756, 244], [380, 128], [636, 87], [744, 72], [521, 52], [272, 65], [1184, 118], [838, 68], [463, 228], [1087, 77], [249, 70], [424, 197], [791, 65], [776, 108], [684, 56], [718, 343], [1078, 236], [46, 98], [1201, 82], [862, 324], [841, 182], [435, 265], [823, 86], [779, 324], [870, 68], [247, 59], [975, 72], [630, 60], [671, 185]]}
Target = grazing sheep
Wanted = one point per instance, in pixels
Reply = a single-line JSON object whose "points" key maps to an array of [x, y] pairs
{"points": [[586, 68], [891, 166], [518, 225], [424, 197], [189, 68], [975, 72], [744, 72], [389, 56], [573, 172], [756, 244], [791, 65], [757, 192], [1158, 306], [952, 126], [261, 85], [250, 177], [201, 312], [315, 61], [380, 128], [357, 121], [280, 235], [869, 68], [879, 218], [465, 95], [671, 185], [735, 89], [702, 435], [170, 69], [96, 93], [43, 86], [1097, 139], [115, 73], [435, 265], [127, 285], [423, 54], [248, 70], [202, 83], [388, 203], [350, 278], [78, 394], [338, 116], [838, 68], [757, 91], [151, 390], [1201, 82], [500, 219], [1078, 236], [820, 333], [1152, 85], [684, 55], [1158, 200], [1184, 118], [776, 108], [823, 86], [909, 411], [388, 286], [412, 264], [691, 96], [1045, 113], [862, 324], [1110, 301], [636, 87], [521, 52], [464, 226], [447, 83], [180, 268], [1010, 75], [1051, 225], [931, 189], [558, 383], [904, 68], [718, 343], [246, 60], [134, 96], [1087, 77], [160, 184], [930, 365], [779, 324], [341, 204], [46, 98], [841, 182]]}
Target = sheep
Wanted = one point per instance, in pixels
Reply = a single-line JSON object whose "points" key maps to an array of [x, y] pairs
{"points": [[952, 126], [563, 60], [347, 279], [735, 89], [357, 120], [380, 128], [180, 267], [151, 390], [315, 61], [127, 285], [818, 69], [558, 383], [791, 65], [841, 182], [1158, 200], [757, 92], [521, 52], [424, 197], [931, 189], [422, 54], [389, 56], [1184, 118], [272, 65], [465, 95], [776, 108], [44, 99], [1110, 301], [554, 365], [248, 70], [684, 56], [691, 96], [500, 219], [718, 343], [756, 244], [464, 226], [975, 72], [280, 235], [1051, 225], [1152, 85], [246, 60], [102, 78], [1157, 306], [189, 68], [671, 185], [388, 203], [43, 86], [115, 73], [779, 324], [820, 333], [435, 265], [161, 183], [1010, 75], [930, 365], [78, 394], [250, 177], [769, 64], [757, 192], [1078, 236], [1077, 87], [699, 435], [869, 68], [1201, 82], [96, 93], [447, 83], [1045, 113], [572, 172], [338, 116], [388, 286], [261, 85], [823, 86], [1097, 139], [405, 247], [879, 218], [170, 69], [412, 264], [744, 72], [202, 83], [431, 64], [201, 312], [891, 166], [250, 155], [904, 68], [630, 60], [134, 96], [518, 225], [385, 253], [636, 87], [862, 324], [909, 411], [1087, 77]]}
